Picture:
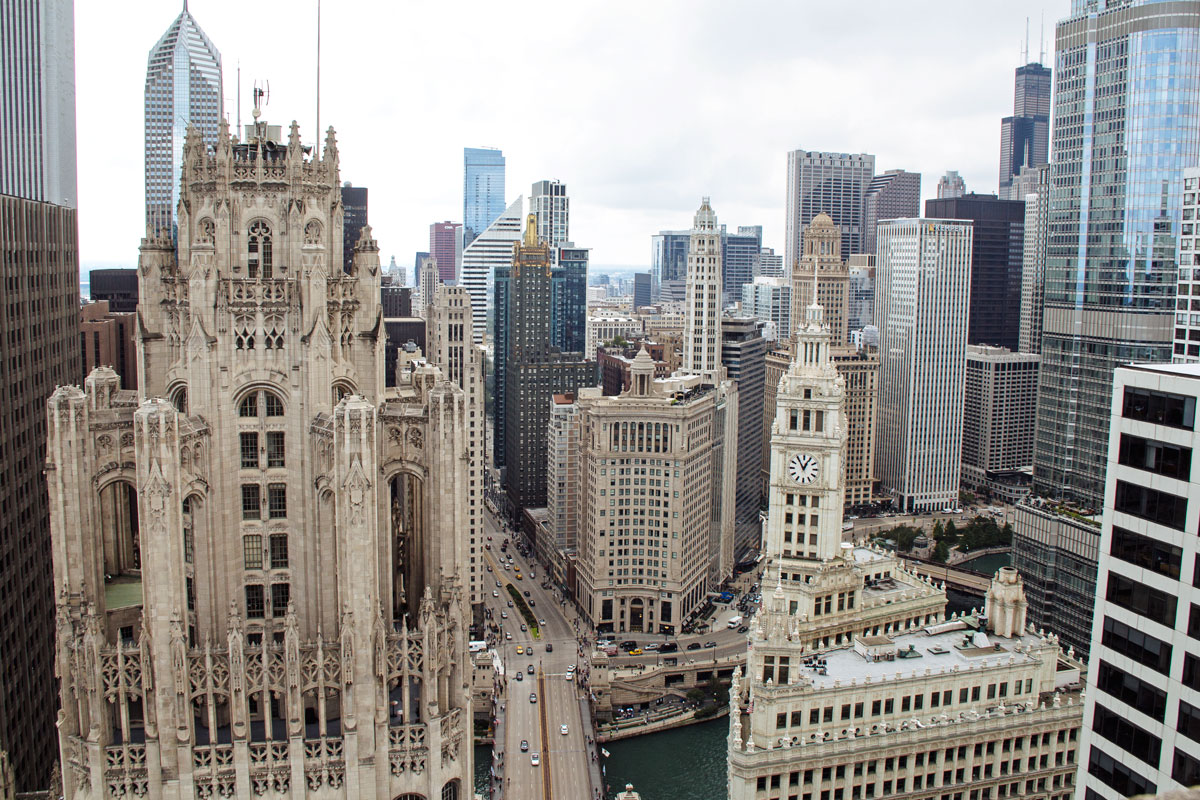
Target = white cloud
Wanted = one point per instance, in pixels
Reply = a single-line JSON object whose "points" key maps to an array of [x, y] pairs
{"points": [[640, 108]]}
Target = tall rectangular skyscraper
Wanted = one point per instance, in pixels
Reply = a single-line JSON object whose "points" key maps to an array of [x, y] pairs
{"points": [[551, 204], [39, 266], [183, 88], [926, 266], [1025, 136], [833, 183], [996, 259], [668, 265], [483, 258], [37, 154], [1110, 258], [483, 189], [702, 326], [893, 194], [445, 245]]}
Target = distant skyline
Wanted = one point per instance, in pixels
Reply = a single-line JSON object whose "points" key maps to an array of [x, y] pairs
{"points": [[638, 124]]}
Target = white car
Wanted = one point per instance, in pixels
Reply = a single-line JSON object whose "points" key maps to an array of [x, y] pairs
{"points": [[495, 593], [534, 759], [503, 615], [570, 676], [562, 729]]}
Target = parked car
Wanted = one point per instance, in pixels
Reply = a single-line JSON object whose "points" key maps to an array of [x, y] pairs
{"points": [[652, 646]]}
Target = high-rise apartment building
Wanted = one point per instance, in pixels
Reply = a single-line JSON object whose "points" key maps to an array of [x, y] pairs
{"points": [[830, 183], [997, 255], [483, 190], [183, 89], [770, 300], [445, 245], [893, 194], [857, 684], [1187, 309], [251, 567], [549, 202], [37, 153], [926, 266], [647, 566], [743, 355], [1025, 136], [529, 370], [998, 418], [485, 254], [1143, 699], [702, 329], [821, 268], [355, 217], [951, 185], [1033, 258], [39, 265]]}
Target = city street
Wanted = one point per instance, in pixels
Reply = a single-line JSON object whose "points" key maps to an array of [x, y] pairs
{"points": [[564, 759]]}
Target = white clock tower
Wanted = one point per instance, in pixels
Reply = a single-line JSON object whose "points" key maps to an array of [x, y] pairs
{"points": [[807, 441]]}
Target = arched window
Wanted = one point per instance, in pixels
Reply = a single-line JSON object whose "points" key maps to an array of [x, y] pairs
{"points": [[269, 405], [450, 790], [258, 249], [341, 390], [179, 399]]}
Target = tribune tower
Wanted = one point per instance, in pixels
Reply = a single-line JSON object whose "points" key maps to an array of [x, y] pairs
{"points": [[261, 559]]}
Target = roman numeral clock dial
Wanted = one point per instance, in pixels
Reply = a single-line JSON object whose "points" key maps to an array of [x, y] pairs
{"points": [[803, 468]]}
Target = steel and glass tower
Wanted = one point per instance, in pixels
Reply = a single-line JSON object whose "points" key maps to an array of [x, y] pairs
{"points": [[1025, 136], [483, 189], [183, 88], [1126, 123]]}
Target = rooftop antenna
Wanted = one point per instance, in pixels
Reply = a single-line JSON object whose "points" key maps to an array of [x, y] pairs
{"points": [[1025, 56], [238, 129], [318, 139], [1042, 40]]}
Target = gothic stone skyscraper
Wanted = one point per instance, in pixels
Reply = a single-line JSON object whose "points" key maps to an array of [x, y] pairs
{"points": [[260, 561]]}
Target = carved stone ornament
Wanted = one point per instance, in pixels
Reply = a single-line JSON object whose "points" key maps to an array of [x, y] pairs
{"points": [[416, 438]]}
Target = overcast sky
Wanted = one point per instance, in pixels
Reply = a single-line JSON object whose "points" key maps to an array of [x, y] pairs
{"points": [[639, 107]]}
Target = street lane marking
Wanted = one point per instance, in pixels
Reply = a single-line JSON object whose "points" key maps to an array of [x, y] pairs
{"points": [[546, 788]]}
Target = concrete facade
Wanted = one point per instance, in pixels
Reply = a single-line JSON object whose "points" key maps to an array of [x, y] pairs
{"points": [[999, 410], [822, 260], [261, 572], [108, 339]]}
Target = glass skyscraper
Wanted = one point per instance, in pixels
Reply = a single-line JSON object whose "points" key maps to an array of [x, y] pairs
{"points": [[483, 189], [183, 88], [1025, 136], [1126, 123]]}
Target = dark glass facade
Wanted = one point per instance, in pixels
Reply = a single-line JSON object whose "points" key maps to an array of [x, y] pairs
{"points": [[996, 258]]}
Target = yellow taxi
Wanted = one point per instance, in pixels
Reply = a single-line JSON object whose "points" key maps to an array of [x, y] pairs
{"points": [[637, 651], [520, 650]]}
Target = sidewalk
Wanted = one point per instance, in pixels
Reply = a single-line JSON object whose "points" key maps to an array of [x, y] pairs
{"points": [[596, 781]]}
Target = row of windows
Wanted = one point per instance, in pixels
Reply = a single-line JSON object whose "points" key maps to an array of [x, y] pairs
{"points": [[1141, 599], [1161, 408], [1136, 645], [261, 403], [1158, 457], [1142, 501], [252, 501], [256, 595], [1132, 691], [276, 555], [251, 456], [1129, 737], [1150, 554]]}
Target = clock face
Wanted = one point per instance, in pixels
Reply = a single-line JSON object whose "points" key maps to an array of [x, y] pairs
{"points": [[803, 468]]}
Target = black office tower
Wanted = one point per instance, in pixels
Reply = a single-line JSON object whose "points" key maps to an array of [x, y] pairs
{"points": [[354, 210], [1025, 136], [999, 241]]}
